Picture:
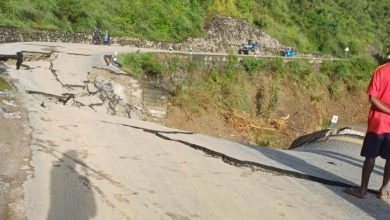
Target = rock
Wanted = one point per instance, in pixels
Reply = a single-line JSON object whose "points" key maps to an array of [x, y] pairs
{"points": [[99, 79], [13, 115], [9, 115], [3, 110], [6, 94], [4, 186], [92, 88], [9, 103], [106, 87]]}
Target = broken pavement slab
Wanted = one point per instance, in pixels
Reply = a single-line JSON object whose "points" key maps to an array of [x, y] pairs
{"points": [[41, 81], [302, 164], [89, 100], [72, 69]]}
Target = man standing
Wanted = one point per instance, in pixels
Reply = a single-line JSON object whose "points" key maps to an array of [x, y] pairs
{"points": [[377, 140]]}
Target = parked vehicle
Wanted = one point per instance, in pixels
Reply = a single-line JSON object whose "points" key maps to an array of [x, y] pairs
{"points": [[249, 48], [289, 52]]}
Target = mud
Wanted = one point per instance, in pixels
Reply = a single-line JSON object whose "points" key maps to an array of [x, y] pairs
{"points": [[15, 155]]}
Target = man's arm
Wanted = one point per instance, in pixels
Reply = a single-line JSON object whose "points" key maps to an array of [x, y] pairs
{"points": [[379, 105]]}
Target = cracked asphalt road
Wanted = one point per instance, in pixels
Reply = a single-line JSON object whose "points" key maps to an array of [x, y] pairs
{"points": [[87, 164]]}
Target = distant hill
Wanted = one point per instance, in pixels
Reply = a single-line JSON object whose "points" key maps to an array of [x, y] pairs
{"points": [[310, 25]]}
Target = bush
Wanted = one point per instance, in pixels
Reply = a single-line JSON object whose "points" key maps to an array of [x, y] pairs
{"points": [[274, 97], [274, 65], [251, 64], [336, 70], [261, 23], [299, 69], [152, 67], [232, 69], [336, 90], [363, 67], [146, 64], [354, 74], [195, 97]]}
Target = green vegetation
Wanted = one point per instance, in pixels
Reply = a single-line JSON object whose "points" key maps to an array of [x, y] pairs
{"points": [[224, 7], [4, 85], [348, 75], [326, 26], [157, 19], [144, 64], [227, 84]]}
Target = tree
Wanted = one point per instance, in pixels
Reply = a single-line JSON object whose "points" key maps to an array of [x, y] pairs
{"points": [[224, 7], [4, 6], [70, 10], [231, 8]]}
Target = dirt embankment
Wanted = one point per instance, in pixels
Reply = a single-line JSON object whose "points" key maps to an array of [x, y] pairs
{"points": [[297, 110]]}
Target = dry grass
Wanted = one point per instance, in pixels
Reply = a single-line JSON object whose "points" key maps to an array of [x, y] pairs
{"points": [[243, 123]]}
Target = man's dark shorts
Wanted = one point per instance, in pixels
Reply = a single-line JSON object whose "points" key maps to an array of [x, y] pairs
{"points": [[376, 145]]}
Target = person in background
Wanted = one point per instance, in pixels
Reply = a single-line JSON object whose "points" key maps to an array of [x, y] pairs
{"points": [[107, 38], [97, 37]]}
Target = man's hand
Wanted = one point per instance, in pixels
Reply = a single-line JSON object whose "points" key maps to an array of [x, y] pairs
{"points": [[379, 105]]}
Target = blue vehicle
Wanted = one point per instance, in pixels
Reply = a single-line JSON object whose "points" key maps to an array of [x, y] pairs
{"points": [[250, 47], [289, 52]]}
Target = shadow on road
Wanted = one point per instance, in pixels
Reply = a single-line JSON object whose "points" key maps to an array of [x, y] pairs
{"points": [[375, 208], [71, 196], [345, 159]]}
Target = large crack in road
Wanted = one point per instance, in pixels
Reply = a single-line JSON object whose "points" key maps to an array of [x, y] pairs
{"points": [[253, 166]]}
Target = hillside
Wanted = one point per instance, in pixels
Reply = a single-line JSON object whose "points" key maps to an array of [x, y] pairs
{"points": [[310, 25], [268, 101]]}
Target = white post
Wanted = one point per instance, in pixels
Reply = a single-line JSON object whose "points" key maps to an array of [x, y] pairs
{"points": [[333, 121], [346, 52]]}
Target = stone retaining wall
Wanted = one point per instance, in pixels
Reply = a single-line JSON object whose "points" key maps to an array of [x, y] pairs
{"points": [[15, 34], [225, 35]]}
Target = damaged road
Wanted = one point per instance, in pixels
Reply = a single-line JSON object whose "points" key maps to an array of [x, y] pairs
{"points": [[93, 155]]}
